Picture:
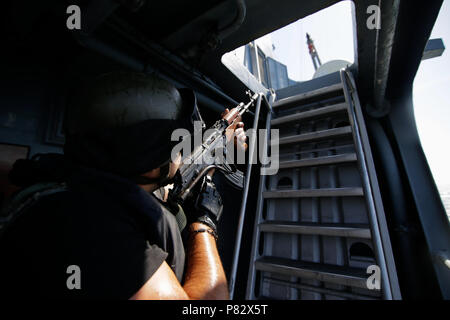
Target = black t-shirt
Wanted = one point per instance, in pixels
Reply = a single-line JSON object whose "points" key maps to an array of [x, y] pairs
{"points": [[114, 233]]}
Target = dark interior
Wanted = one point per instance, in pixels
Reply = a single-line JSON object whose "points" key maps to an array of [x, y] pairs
{"points": [[43, 63]]}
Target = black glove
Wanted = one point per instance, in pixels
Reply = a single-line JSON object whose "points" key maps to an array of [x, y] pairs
{"points": [[207, 207]]}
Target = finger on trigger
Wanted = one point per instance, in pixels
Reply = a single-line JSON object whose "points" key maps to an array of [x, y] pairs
{"points": [[225, 112]]}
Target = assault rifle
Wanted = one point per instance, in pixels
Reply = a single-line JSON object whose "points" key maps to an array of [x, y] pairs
{"points": [[210, 154]]}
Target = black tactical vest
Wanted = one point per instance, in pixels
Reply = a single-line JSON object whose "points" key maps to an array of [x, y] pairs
{"points": [[150, 216]]}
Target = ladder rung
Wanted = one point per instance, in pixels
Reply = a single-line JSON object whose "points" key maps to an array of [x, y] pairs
{"points": [[320, 161], [317, 135], [327, 149], [310, 114], [325, 291], [347, 276], [311, 193], [307, 96], [331, 230]]}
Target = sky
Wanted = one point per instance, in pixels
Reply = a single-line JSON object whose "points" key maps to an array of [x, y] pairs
{"points": [[334, 40], [432, 103]]}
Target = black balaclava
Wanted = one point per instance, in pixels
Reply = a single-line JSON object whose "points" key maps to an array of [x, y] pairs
{"points": [[123, 122]]}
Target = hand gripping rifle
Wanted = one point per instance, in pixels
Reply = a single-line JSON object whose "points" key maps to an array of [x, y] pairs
{"points": [[210, 154]]}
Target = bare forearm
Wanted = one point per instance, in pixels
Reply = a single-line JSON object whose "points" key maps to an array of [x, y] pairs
{"points": [[205, 277]]}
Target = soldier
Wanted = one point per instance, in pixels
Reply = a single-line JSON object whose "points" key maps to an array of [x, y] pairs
{"points": [[95, 229]]}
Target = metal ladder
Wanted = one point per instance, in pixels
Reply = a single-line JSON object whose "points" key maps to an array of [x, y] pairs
{"points": [[320, 221]]}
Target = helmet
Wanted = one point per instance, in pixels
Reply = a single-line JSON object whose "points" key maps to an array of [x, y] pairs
{"points": [[122, 122]]}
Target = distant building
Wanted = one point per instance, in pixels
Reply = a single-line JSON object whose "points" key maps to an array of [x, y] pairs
{"points": [[258, 58], [270, 72]]}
